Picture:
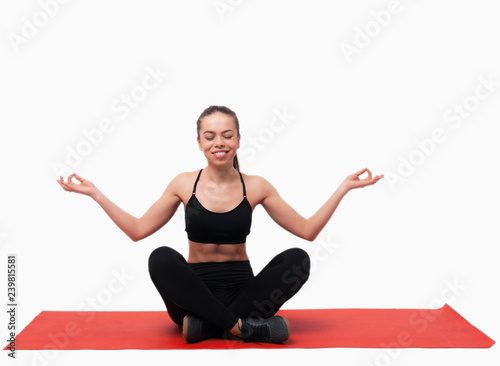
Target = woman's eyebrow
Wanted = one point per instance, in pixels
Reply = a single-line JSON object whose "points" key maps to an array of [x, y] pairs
{"points": [[222, 131]]}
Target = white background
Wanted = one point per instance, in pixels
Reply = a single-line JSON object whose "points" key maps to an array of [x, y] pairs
{"points": [[395, 246]]}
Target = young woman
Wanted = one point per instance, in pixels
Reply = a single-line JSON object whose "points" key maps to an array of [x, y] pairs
{"points": [[215, 292]]}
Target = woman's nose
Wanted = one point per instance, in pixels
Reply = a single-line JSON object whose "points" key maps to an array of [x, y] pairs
{"points": [[218, 141]]}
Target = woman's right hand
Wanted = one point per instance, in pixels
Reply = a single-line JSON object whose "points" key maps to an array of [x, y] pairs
{"points": [[352, 181], [85, 187]]}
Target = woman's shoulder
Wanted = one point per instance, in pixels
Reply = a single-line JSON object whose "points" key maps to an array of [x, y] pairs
{"points": [[182, 184], [257, 186], [254, 179], [183, 178]]}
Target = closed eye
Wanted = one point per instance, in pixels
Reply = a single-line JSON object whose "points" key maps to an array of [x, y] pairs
{"points": [[211, 138]]}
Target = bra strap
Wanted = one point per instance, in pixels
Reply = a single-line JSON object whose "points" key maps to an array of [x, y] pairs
{"points": [[244, 189], [241, 177], [195, 183]]}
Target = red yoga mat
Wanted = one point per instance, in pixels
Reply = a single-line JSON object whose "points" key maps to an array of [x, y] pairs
{"points": [[317, 328]]}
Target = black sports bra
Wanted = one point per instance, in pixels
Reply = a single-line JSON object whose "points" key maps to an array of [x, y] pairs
{"points": [[204, 226]]}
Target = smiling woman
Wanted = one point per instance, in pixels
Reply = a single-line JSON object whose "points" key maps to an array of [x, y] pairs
{"points": [[215, 292], [219, 116]]}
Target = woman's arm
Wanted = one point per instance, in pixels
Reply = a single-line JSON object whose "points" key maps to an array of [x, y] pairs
{"points": [[135, 228], [309, 229]]}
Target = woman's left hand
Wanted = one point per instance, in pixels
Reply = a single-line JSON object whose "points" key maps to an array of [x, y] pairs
{"points": [[352, 181]]}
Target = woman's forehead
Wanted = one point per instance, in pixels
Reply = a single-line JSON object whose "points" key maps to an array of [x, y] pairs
{"points": [[218, 121]]}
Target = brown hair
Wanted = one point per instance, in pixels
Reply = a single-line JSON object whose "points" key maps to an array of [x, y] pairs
{"points": [[222, 109]]}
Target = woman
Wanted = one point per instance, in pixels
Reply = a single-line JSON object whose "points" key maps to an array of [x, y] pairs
{"points": [[215, 292]]}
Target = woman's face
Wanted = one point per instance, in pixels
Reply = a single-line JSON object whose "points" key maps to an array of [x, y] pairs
{"points": [[218, 133]]}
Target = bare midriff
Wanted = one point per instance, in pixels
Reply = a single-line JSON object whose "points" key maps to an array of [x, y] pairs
{"points": [[205, 252]]}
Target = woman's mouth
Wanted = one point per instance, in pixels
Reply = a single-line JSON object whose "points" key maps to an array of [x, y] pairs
{"points": [[220, 154]]}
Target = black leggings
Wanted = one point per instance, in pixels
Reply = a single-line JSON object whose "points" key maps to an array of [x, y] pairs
{"points": [[220, 292]]}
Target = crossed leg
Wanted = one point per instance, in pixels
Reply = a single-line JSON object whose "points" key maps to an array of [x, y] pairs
{"points": [[184, 292]]}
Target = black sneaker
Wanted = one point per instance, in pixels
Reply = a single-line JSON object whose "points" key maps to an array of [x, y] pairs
{"points": [[195, 329], [275, 329]]}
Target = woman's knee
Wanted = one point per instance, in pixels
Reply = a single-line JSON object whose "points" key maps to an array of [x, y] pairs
{"points": [[162, 257], [300, 257], [299, 262]]}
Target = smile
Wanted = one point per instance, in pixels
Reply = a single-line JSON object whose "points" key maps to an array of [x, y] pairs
{"points": [[220, 154]]}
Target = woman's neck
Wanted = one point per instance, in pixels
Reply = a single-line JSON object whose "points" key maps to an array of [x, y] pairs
{"points": [[220, 175]]}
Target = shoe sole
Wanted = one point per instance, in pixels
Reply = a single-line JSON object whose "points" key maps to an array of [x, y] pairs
{"points": [[289, 330], [287, 326], [185, 327]]}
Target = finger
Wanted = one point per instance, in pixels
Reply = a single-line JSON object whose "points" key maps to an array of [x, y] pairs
{"points": [[361, 171], [368, 182], [377, 178], [78, 177], [64, 186], [369, 177]]}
